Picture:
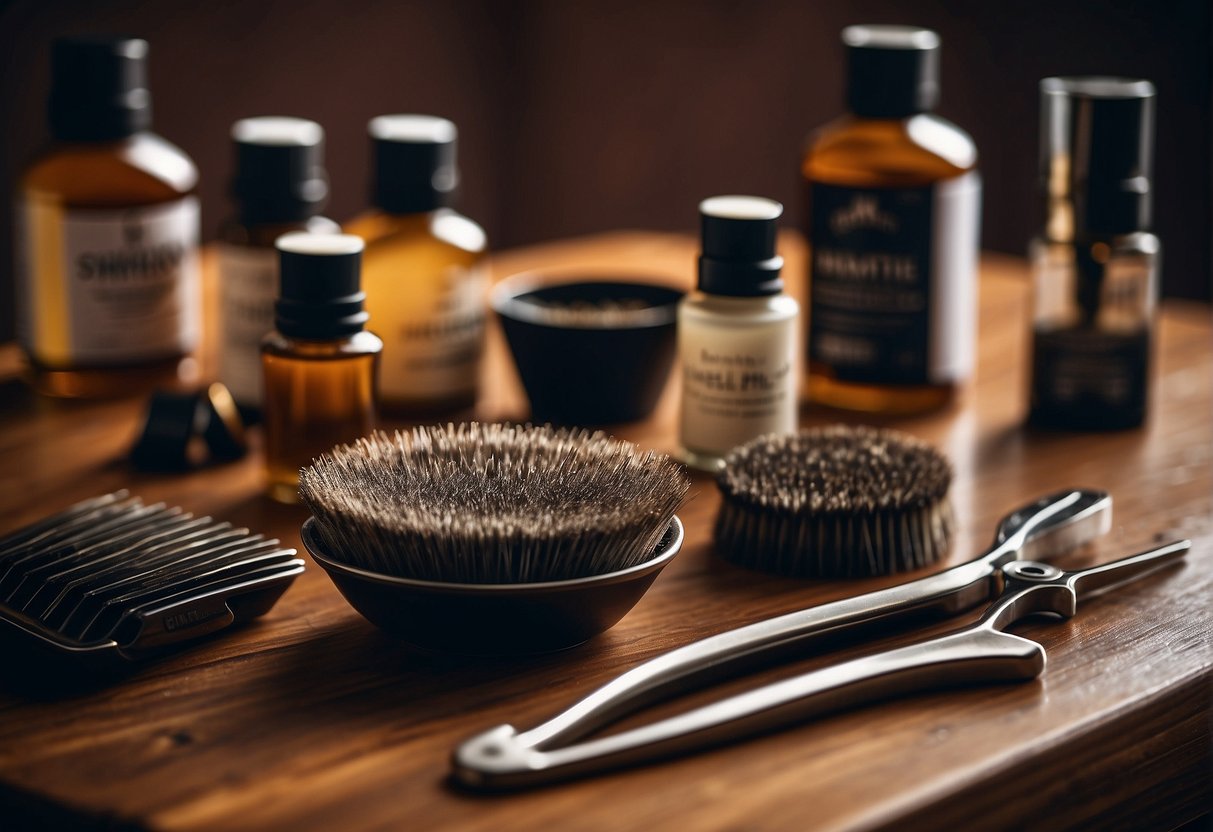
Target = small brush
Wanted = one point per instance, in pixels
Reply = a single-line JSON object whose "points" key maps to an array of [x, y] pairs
{"points": [[492, 504], [834, 502]]}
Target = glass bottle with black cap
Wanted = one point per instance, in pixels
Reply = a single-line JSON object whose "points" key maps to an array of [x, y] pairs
{"points": [[893, 200], [319, 362], [423, 269], [737, 334], [279, 186], [108, 296], [1095, 267]]}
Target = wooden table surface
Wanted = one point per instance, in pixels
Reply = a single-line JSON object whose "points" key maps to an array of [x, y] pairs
{"points": [[311, 719]]}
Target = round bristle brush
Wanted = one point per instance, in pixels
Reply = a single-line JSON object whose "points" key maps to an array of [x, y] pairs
{"points": [[491, 503], [834, 502]]}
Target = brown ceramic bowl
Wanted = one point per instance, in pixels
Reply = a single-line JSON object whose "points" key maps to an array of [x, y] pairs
{"points": [[495, 619]]}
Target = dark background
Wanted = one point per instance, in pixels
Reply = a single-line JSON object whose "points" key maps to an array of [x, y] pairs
{"points": [[577, 117]]}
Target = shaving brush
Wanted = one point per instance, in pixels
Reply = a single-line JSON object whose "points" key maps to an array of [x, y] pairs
{"points": [[491, 503], [834, 502]]}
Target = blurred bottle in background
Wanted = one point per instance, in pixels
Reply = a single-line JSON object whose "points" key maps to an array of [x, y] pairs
{"points": [[108, 295], [423, 270], [279, 186], [1095, 267]]}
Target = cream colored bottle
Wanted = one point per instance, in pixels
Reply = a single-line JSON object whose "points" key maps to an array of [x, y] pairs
{"points": [[737, 334], [423, 270]]}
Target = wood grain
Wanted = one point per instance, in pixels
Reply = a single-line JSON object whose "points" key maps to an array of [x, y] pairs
{"points": [[311, 719]]}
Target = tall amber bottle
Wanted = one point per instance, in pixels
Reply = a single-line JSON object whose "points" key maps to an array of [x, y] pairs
{"points": [[423, 270], [319, 362], [893, 216], [279, 186], [107, 234]]}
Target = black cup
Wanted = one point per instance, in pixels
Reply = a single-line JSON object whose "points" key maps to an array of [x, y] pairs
{"points": [[591, 351]]}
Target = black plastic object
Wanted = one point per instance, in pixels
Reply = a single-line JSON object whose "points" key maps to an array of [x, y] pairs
{"points": [[414, 163], [1099, 133], [176, 420], [99, 88], [892, 71], [320, 295], [738, 256], [172, 421], [590, 352], [494, 619], [280, 176], [110, 580]]}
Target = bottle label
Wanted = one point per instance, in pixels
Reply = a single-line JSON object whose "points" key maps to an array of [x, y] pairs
{"points": [[1084, 375], [103, 286], [436, 347], [737, 383], [893, 281], [248, 287]]}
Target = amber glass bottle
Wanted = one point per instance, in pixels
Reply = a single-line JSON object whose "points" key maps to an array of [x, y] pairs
{"points": [[107, 236], [319, 362], [893, 210], [423, 270], [279, 186]]}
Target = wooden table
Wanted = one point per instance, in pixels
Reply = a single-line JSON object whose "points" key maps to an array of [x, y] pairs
{"points": [[311, 719]]}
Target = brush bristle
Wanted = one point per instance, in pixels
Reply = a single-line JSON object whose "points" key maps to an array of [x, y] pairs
{"points": [[491, 503], [834, 502]]}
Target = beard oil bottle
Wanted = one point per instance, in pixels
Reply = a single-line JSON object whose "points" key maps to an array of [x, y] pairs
{"points": [[423, 270], [893, 213], [319, 362], [737, 334], [280, 186], [108, 299], [1095, 268]]}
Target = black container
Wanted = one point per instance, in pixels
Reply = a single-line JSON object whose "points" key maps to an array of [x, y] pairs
{"points": [[590, 351]]}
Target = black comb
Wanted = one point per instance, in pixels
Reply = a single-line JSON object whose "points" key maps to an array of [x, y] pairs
{"points": [[111, 579]]}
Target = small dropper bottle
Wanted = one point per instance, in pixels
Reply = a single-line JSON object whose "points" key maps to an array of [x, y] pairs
{"points": [[319, 362], [737, 334], [279, 186]]}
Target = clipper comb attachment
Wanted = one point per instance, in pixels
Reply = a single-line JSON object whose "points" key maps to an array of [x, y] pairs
{"points": [[110, 579]]}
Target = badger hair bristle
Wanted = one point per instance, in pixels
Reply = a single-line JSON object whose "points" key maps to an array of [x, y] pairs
{"points": [[492, 503], [834, 502]]}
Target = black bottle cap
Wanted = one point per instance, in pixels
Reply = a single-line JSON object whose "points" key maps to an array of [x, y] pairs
{"points": [[892, 71], [1097, 137], [320, 292], [414, 163], [99, 88], [738, 257], [280, 174]]}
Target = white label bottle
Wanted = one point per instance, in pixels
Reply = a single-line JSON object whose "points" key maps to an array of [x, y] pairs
{"points": [[737, 334], [108, 292]]}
